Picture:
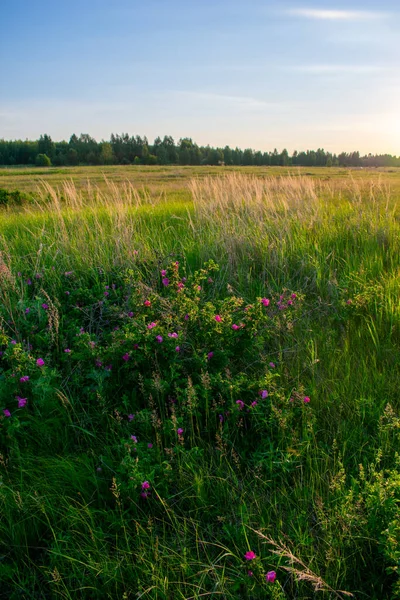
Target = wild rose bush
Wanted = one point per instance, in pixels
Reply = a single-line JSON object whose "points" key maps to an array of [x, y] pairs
{"points": [[172, 409]]}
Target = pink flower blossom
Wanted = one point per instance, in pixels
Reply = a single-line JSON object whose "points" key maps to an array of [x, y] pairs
{"points": [[272, 365], [210, 355], [218, 318], [165, 281], [235, 327], [6, 412], [40, 362], [159, 339], [306, 399], [145, 485], [130, 314], [186, 317], [240, 404], [179, 431], [151, 325], [147, 303], [27, 311], [265, 301], [67, 350], [24, 379], [250, 573], [134, 439], [263, 393], [126, 357], [21, 402], [149, 445], [270, 576], [45, 306], [131, 417], [177, 348], [13, 342], [250, 555], [163, 273], [180, 285], [173, 335], [253, 404]]}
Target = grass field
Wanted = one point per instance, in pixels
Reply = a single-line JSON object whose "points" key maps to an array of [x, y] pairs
{"points": [[199, 380]]}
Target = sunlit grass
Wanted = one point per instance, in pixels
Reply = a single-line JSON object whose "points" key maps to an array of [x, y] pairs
{"points": [[322, 484]]}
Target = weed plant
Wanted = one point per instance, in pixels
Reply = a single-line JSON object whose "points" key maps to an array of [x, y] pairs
{"points": [[200, 399]]}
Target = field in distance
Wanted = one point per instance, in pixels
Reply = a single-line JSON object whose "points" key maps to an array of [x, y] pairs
{"points": [[175, 178]]}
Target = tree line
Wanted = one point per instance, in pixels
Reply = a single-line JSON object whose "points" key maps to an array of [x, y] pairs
{"points": [[127, 150]]}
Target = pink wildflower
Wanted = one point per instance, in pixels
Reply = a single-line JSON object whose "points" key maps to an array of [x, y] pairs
{"points": [[250, 555], [27, 311], [165, 281], [126, 357], [272, 365], [6, 412], [131, 417], [235, 327], [21, 402], [270, 576], [134, 439], [306, 399], [240, 404], [177, 348], [40, 362], [218, 318], [250, 573], [163, 273], [263, 393], [253, 404], [210, 355], [67, 350], [159, 339], [145, 485], [265, 301], [173, 335], [179, 431], [24, 378], [151, 325], [147, 303], [149, 445]]}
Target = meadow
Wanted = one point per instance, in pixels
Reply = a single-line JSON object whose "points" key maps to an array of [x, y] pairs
{"points": [[199, 383]]}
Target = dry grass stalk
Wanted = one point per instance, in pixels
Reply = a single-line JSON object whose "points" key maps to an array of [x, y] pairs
{"points": [[301, 572]]}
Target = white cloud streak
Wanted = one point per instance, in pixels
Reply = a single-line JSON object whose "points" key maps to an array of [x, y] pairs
{"points": [[242, 103], [336, 15], [339, 69]]}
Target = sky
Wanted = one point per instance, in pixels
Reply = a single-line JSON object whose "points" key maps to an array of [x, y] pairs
{"points": [[256, 74]]}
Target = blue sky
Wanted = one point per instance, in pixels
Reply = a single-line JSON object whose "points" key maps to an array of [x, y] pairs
{"points": [[251, 73]]}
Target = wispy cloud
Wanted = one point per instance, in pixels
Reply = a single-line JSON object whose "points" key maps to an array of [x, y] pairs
{"points": [[243, 103], [336, 15], [340, 69]]}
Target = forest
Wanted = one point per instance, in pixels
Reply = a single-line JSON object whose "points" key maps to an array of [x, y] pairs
{"points": [[127, 150]]}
